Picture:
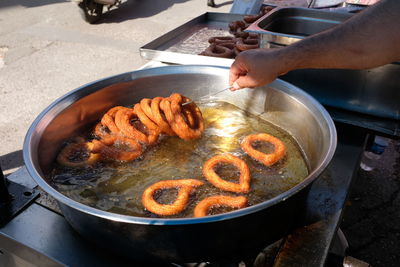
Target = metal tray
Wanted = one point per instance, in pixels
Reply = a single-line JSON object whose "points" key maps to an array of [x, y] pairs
{"points": [[285, 26], [183, 44]]}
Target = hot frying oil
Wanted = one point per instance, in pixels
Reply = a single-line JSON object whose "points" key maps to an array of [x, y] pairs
{"points": [[117, 187]]}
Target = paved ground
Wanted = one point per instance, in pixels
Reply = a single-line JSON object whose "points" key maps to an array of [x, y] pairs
{"points": [[46, 50], [371, 221]]}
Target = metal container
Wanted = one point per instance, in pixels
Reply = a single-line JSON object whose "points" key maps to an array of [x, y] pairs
{"points": [[285, 26], [373, 91], [225, 236]]}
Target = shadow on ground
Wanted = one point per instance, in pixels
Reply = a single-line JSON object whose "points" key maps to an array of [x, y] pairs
{"points": [[11, 160], [29, 3], [133, 9]]}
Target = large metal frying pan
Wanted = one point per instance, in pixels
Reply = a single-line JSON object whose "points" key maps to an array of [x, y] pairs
{"points": [[227, 235]]}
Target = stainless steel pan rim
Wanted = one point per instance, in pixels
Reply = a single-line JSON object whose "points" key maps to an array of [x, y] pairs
{"points": [[27, 155]]}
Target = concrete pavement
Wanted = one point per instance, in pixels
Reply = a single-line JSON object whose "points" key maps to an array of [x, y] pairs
{"points": [[47, 49]]}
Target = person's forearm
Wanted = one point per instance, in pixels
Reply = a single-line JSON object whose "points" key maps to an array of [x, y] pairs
{"points": [[367, 40]]}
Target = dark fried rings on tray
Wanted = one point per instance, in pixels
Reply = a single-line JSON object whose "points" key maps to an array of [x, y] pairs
{"points": [[185, 188], [247, 44], [215, 50], [244, 180], [203, 207], [266, 159]]}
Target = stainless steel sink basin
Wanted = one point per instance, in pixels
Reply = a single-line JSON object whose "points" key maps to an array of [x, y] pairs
{"points": [[285, 26]]}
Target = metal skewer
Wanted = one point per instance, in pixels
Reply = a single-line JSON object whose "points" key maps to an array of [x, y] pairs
{"points": [[207, 96]]}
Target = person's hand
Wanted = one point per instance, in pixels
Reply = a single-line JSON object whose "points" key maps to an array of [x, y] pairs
{"points": [[255, 67]]}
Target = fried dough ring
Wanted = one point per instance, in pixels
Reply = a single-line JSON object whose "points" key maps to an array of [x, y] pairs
{"points": [[228, 45], [235, 25], [100, 130], [146, 120], [244, 180], [222, 39], [108, 119], [145, 104], [266, 159], [252, 18], [217, 51], [247, 44], [204, 206], [241, 34], [179, 117], [106, 147], [84, 149], [185, 188], [159, 117], [123, 121]]}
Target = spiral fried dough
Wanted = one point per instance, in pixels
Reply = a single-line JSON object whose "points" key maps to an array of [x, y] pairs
{"points": [[100, 130], [266, 159], [123, 121], [120, 148], [244, 180], [179, 121], [108, 120], [185, 188], [145, 104], [159, 117], [78, 155], [204, 206], [145, 119]]}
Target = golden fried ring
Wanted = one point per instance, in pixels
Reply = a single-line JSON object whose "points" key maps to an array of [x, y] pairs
{"points": [[217, 51], [204, 206], [83, 150], [266, 159], [100, 130], [159, 117], [247, 44], [145, 119], [108, 147], [179, 120], [123, 121], [244, 180], [145, 104], [108, 119], [185, 188]]}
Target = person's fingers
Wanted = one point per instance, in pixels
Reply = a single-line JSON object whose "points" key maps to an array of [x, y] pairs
{"points": [[234, 73], [246, 81], [235, 86]]}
